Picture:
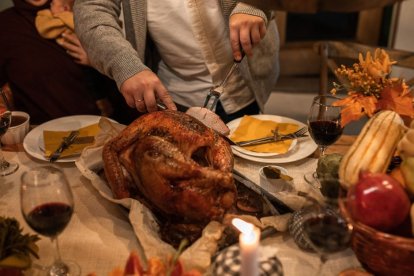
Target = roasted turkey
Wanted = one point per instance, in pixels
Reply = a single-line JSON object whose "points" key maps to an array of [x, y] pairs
{"points": [[173, 164]]}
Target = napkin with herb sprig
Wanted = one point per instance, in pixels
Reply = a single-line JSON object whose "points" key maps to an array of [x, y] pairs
{"points": [[16, 248]]}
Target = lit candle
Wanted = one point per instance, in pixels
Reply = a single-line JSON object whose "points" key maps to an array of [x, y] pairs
{"points": [[249, 247]]}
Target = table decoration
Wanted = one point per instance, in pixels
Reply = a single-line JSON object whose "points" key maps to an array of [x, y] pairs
{"points": [[371, 88], [16, 248], [379, 252], [406, 149], [376, 205], [327, 171], [249, 247], [228, 262], [154, 266]]}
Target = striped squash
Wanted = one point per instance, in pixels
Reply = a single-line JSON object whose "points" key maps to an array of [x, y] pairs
{"points": [[374, 147]]}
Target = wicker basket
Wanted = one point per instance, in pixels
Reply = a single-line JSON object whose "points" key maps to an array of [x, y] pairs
{"points": [[379, 252]]}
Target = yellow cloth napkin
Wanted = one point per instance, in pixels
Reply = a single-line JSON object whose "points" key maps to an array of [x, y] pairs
{"points": [[253, 128], [53, 139]]}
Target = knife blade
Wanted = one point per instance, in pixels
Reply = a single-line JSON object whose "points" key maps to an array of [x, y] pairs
{"points": [[67, 141]]}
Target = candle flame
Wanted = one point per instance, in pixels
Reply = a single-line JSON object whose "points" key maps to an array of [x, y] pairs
{"points": [[242, 226]]}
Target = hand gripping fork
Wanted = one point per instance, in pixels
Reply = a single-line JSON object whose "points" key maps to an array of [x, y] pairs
{"points": [[216, 91]]}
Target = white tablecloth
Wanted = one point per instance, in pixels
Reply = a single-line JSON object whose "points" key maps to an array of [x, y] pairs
{"points": [[100, 237]]}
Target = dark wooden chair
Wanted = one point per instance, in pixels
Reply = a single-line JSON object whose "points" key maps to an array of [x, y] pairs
{"points": [[300, 64]]}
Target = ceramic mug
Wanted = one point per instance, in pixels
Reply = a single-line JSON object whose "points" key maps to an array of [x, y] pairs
{"points": [[18, 129]]}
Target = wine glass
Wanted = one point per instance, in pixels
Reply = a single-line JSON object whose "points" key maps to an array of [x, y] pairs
{"points": [[325, 231], [6, 167], [324, 125], [47, 206]]}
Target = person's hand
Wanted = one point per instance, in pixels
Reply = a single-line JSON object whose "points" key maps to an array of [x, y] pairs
{"points": [[142, 91], [71, 43], [245, 31]]}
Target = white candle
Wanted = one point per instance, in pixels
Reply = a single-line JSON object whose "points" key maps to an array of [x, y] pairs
{"points": [[249, 247]]}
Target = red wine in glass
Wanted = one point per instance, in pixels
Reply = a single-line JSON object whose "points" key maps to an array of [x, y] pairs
{"points": [[49, 219], [5, 120], [46, 202], [324, 124], [327, 233], [325, 132]]}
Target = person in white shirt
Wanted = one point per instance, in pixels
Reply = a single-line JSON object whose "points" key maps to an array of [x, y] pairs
{"points": [[197, 42]]}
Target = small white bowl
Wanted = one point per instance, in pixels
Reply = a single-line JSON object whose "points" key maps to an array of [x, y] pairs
{"points": [[275, 185]]}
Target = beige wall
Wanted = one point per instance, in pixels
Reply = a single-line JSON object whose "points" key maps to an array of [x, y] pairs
{"points": [[5, 4], [403, 37]]}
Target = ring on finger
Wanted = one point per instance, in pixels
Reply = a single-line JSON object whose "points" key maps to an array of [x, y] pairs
{"points": [[138, 101]]}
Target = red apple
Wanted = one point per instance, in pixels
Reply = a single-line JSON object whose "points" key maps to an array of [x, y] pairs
{"points": [[378, 200]]}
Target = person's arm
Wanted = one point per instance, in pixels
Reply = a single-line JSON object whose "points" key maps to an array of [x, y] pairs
{"points": [[98, 27], [263, 4]]}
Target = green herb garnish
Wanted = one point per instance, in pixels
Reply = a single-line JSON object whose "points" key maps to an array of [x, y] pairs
{"points": [[13, 242]]}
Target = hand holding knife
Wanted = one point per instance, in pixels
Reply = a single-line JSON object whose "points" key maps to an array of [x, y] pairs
{"points": [[67, 141]]}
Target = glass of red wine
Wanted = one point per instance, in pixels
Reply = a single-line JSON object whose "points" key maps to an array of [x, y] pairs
{"points": [[325, 231], [47, 206], [324, 125], [6, 167]]}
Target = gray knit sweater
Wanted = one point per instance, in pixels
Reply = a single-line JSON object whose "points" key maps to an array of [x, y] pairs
{"points": [[99, 28]]}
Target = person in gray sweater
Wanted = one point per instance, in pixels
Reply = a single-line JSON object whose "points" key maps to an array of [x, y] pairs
{"points": [[174, 52]]}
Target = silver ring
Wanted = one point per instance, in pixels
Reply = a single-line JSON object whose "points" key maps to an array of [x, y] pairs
{"points": [[138, 101]]}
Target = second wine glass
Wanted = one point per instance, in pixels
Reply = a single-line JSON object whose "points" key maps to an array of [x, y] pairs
{"points": [[324, 124], [326, 231], [47, 206]]}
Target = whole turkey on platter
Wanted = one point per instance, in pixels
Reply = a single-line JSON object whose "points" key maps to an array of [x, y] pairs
{"points": [[173, 164]]}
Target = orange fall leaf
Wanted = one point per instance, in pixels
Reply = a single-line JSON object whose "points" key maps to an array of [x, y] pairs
{"points": [[394, 98], [356, 106]]}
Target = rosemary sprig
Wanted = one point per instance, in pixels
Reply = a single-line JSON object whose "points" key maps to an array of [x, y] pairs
{"points": [[13, 242]]}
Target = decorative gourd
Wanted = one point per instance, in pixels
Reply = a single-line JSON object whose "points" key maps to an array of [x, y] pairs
{"points": [[406, 150], [374, 147]]}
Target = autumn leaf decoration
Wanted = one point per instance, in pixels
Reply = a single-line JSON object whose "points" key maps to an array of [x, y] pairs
{"points": [[370, 89]]}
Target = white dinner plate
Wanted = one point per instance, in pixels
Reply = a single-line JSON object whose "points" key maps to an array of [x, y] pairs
{"points": [[235, 123], [304, 147], [33, 143]]}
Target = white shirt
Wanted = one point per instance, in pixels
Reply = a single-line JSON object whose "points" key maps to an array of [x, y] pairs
{"points": [[195, 49]]}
